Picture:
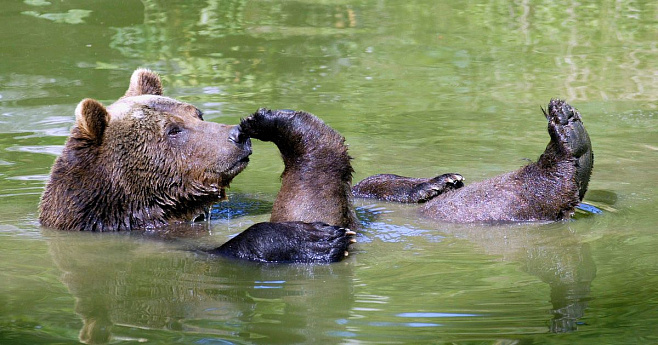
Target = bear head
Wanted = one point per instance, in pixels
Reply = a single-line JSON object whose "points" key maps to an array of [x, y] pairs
{"points": [[140, 163]]}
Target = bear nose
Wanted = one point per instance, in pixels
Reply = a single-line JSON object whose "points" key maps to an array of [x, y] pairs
{"points": [[235, 135]]}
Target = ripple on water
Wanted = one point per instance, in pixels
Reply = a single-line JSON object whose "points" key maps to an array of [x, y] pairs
{"points": [[55, 150], [39, 177]]}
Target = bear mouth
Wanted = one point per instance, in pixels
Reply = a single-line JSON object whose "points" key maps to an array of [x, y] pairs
{"points": [[237, 167]]}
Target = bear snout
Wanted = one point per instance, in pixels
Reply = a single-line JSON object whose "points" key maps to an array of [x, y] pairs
{"points": [[238, 137]]}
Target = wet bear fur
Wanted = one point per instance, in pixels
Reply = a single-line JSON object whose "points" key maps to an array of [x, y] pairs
{"points": [[317, 177], [142, 162]]}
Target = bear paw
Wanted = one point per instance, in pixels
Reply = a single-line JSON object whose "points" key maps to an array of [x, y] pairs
{"points": [[438, 185], [272, 125], [289, 242], [566, 128], [391, 187], [570, 141]]}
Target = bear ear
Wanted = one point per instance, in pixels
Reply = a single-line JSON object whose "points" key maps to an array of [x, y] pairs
{"points": [[144, 82], [91, 118]]}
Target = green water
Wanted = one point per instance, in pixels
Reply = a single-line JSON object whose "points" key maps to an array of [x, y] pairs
{"points": [[417, 88]]}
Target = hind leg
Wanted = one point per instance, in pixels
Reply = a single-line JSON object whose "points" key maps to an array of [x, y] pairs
{"points": [[547, 190], [568, 139]]}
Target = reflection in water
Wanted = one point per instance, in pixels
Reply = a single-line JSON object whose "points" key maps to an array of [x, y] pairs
{"points": [[551, 252], [131, 288], [569, 271], [239, 205]]}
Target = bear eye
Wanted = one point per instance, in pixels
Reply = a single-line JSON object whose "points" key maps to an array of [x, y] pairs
{"points": [[174, 131]]}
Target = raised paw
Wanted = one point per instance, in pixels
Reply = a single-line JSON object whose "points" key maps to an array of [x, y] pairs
{"points": [[261, 124], [566, 128], [289, 242], [280, 126], [569, 140]]}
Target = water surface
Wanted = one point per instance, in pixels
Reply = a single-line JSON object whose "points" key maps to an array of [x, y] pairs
{"points": [[417, 88]]}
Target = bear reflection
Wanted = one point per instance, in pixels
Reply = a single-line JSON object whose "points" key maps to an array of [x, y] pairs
{"points": [[129, 287], [568, 268], [551, 252]]}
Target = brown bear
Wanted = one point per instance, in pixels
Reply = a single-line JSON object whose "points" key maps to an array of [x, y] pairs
{"points": [[148, 160], [546, 190]]}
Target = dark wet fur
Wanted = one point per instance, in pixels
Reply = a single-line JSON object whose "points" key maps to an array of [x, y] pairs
{"points": [[289, 242], [397, 188], [316, 180]]}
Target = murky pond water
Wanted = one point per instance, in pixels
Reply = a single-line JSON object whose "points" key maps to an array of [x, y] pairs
{"points": [[417, 88]]}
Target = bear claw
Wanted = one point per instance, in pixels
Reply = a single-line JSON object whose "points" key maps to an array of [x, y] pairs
{"points": [[397, 188], [436, 186], [289, 242], [455, 178]]}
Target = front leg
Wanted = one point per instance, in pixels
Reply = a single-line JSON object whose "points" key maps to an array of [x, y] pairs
{"points": [[391, 187], [317, 178], [289, 242]]}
